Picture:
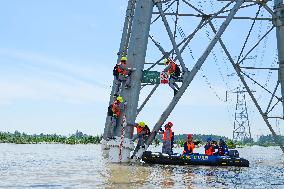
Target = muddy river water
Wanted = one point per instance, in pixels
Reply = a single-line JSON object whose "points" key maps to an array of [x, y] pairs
{"points": [[82, 166]]}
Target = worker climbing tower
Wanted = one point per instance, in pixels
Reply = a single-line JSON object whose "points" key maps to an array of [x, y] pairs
{"points": [[140, 16], [121, 147], [241, 130]]}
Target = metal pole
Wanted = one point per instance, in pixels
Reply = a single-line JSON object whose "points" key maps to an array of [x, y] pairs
{"points": [[185, 40], [278, 22], [122, 51], [172, 38], [121, 147], [235, 123], [189, 77], [247, 119], [272, 96], [238, 70]]}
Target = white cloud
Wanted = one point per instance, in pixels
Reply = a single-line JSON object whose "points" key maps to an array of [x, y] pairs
{"points": [[45, 78], [47, 64], [52, 91]]}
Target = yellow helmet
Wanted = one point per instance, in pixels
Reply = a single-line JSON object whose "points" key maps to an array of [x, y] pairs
{"points": [[123, 58], [119, 98], [166, 61], [141, 124]]}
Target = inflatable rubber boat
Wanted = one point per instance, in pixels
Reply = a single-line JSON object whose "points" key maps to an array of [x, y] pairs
{"points": [[232, 159]]}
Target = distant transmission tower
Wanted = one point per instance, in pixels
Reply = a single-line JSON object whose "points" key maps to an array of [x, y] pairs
{"points": [[241, 124]]}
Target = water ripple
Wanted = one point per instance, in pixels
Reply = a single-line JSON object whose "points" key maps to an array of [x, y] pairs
{"points": [[82, 166]]}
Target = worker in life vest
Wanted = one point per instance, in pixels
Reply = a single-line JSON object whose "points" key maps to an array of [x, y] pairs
{"points": [[143, 132], [167, 139], [222, 148], [121, 73], [116, 107], [209, 147], [188, 146], [174, 72]]}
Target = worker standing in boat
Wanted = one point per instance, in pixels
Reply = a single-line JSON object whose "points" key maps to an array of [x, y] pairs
{"points": [[222, 148], [167, 139], [209, 147], [143, 132], [188, 145]]}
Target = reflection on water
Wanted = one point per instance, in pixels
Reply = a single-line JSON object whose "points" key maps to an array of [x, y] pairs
{"points": [[82, 166]]}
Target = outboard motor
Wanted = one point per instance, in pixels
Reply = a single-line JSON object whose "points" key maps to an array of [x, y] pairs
{"points": [[233, 153]]}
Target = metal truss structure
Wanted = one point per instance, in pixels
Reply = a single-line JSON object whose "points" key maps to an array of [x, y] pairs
{"points": [[141, 17], [241, 130]]}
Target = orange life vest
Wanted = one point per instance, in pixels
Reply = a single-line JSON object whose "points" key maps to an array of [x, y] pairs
{"points": [[165, 134], [121, 71], [173, 68], [115, 108], [210, 151], [190, 147], [139, 129]]}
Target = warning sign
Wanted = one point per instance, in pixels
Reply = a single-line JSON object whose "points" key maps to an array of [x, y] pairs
{"points": [[164, 78]]}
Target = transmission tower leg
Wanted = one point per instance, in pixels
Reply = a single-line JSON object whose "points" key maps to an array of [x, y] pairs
{"points": [[279, 23], [188, 77], [121, 147], [122, 51]]}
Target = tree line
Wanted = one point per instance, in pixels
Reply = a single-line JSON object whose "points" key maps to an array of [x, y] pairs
{"points": [[23, 138], [80, 138]]}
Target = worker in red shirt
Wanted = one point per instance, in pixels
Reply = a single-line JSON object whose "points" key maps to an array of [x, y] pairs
{"points": [[167, 139]]}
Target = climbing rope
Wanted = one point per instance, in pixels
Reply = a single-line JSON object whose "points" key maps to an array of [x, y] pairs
{"points": [[122, 138]]}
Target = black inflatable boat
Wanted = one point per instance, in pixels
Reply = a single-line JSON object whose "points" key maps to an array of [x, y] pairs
{"points": [[232, 159]]}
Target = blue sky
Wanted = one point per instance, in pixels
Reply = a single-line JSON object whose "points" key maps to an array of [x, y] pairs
{"points": [[56, 60]]}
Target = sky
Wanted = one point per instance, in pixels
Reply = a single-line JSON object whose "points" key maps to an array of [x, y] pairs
{"points": [[56, 60]]}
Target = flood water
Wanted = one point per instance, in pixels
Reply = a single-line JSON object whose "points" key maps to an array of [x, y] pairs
{"points": [[82, 166]]}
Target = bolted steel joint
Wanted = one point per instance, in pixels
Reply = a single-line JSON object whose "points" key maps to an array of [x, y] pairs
{"points": [[206, 17], [261, 2]]}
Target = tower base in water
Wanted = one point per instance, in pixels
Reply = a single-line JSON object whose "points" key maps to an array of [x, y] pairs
{"points": [[119, 150], [105, 148]]}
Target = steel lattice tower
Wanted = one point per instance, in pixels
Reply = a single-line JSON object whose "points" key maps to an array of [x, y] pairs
{"points": [[140, 16], [241, 123]]}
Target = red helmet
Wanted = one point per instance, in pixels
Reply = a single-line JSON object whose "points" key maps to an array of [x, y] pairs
{"points": [[189, 136], [170, 124]]}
